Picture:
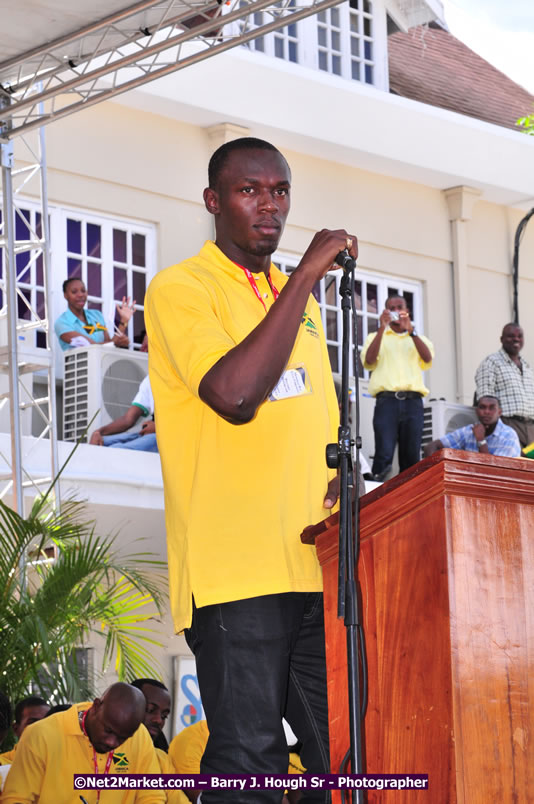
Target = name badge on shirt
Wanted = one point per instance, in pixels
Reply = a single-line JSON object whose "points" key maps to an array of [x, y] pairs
{"points": [[293, 382]]}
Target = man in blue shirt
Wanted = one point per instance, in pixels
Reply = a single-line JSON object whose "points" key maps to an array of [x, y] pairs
{"points": [[490, 435]]}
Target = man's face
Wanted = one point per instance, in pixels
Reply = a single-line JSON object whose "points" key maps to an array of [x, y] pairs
{"points": [[512, 340], [110, 727], [158, 707], [251, 202], [396, 305], [30, 714], [488, 411]]}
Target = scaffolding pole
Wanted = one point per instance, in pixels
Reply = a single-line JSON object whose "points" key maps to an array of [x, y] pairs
{"points": [[18, 362]]}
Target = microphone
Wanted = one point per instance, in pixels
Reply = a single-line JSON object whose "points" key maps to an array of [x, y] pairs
{"points": [[345, 260]]}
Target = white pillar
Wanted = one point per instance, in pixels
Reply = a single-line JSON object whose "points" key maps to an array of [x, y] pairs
{"points": [[225, 132], [460, 202]]}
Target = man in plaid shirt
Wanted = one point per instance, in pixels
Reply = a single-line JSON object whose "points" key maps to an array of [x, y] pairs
{"points": [[508, 376], [489, 436]]}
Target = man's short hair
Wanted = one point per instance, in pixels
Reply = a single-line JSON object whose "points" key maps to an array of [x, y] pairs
{"points": [[220, 156], [488, 396], [140, 682], [31, 700], [513, 324], [395, 296], [67, 282]]}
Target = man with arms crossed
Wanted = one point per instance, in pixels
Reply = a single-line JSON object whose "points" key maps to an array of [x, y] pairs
{"points": [[508, 376], [245, 405]]}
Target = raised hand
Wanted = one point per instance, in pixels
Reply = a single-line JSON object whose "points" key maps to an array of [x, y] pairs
{"points": [[126, 309]]}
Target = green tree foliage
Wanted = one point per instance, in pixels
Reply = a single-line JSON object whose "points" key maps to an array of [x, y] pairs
{"points": [[48, 607], [526, 123]]}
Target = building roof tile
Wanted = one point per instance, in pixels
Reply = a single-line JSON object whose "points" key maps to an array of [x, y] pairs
{"points": [[430, 65]]}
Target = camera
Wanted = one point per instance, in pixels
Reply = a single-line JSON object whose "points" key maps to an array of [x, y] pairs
{"points": [[394, 315]]}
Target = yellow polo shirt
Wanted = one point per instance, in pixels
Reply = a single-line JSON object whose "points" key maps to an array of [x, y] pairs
{"points": [[187, 749], [188, 746], [398, 366], [166, 766], [52, 750], [236, 496], [8, 756]]}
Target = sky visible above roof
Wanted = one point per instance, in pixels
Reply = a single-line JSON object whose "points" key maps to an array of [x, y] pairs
{"points": [[430, 65], [501, 31]]}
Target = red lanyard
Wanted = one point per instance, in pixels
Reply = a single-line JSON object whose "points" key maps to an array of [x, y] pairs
{"points": [[95, 760], [255, 288]]}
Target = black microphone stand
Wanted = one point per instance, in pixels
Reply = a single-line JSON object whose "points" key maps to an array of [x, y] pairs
{"points": [[340, 456]]}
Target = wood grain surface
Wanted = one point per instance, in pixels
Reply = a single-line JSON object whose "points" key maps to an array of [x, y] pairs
{"points": [[446, 570]]}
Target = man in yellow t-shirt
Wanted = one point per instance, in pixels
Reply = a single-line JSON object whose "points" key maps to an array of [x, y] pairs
{"points": [[397, 356], [158, 708], [27, 711], [102, 737], [245, 405]]}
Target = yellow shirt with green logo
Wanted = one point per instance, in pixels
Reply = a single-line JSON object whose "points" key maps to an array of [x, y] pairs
{"points": [[398, 366], [236, 496], [52, 750]]}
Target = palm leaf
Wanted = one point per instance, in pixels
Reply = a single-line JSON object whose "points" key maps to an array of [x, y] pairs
{"points": [[90, 590]]}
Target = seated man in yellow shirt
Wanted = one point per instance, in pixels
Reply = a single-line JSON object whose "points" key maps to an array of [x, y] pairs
{"points": [[98, 738], [158, 708], [29, 710]]}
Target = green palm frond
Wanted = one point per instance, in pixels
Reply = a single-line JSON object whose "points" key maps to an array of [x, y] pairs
{"points": [[90, 590]]}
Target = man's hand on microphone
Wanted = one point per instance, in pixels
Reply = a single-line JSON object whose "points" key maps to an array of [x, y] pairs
{"points": [[240, 382], [319, 257]]}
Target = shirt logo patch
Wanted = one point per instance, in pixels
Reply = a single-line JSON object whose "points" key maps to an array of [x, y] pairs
{"points": [[309, 326], [121, 761]]}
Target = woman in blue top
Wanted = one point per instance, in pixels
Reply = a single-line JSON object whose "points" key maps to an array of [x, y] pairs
{"points": [[79, 322]]}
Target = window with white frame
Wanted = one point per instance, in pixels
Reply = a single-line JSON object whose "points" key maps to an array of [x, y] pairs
{"points": [[114, 258], [370, 293], [345, 41], [348, 40], [283, 44]]}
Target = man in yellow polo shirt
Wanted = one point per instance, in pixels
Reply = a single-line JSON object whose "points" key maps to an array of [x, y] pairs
{"points": [[397, 356], [102, 737], [245, 404]]}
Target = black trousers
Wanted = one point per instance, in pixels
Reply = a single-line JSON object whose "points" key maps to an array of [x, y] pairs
{"points": [[259, 660], [397, 420]]}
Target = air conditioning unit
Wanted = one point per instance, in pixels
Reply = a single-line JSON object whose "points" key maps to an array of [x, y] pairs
{"points": [[442, 417], [101, 380]]}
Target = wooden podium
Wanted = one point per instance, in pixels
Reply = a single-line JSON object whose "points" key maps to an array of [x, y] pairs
{"points": [[446, 570]]}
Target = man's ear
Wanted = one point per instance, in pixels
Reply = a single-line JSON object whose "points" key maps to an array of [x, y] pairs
{"points": [[211, 200]]}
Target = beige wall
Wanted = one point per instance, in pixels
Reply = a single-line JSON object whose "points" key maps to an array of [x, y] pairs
{"points": [[122, 161]]}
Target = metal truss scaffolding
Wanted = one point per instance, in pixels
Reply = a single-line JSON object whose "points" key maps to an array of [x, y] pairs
{"points": [[99, 60], [130, 48], [27, 374]]}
